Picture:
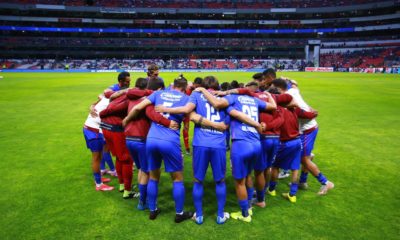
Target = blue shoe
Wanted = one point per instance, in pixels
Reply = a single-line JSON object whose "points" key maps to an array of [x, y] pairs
{"points": [[142, 206], [198, 220], [222, 220]]}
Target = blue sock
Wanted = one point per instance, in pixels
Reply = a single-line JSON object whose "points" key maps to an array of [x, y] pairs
{"points": [[250, 191], [293, 188], [107, 158], [102, 164], [244, 205], [220, 190], [178, 192], [97, 178], [272, 185], [260, 195], [143, 192], [198, 192], [152, 191], [303, 177], [321, 178]]}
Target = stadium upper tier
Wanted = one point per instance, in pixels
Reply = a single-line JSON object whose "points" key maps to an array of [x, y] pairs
{"points": [[238, 4]]}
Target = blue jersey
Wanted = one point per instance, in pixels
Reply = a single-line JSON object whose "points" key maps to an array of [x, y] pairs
{"points": [[249, 106], [206, 137], [115, 87], [168, 98]]}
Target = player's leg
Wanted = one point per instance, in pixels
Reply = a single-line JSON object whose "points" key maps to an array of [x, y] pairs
{"points": [[126, 161], [218, 165], [154, 164], [185, 131], [173, 162], [276, 165], [109, 137], [199, 165], [259, 168], [143, 177], [273, 182], [292, 159], [270, 148], [107, 159]]}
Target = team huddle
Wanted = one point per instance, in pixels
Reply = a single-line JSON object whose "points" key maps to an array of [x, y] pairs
{"points": [[266, 125]]}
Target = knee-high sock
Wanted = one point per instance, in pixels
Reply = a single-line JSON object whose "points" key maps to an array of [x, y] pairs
{"points": [[244, 206], [272, 185], [186, 138], [220, 190], [103, 164], [143, 192], [178, 192], [260, 195], [198, 192], [321, 178], [108, 159], [303, 177], [293, 188], [152, 192], [97, 178], [118, 167], [250, 191], [127, 174]]}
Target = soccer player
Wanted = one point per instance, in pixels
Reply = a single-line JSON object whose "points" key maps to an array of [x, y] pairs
{"points": [[246, 147], [107, 159], [309, 131], [209, 148], [111, 123], [95, 142], [136, 132], [289, 152], [164, 144]]}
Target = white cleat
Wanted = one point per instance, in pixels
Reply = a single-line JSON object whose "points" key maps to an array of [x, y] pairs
{"points": [[325, 188]]}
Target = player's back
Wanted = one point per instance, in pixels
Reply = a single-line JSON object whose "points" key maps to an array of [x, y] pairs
{"points": [[249, 106], [207, 137], [94, 122], [304, 123], [290, 126], [167, 98]]}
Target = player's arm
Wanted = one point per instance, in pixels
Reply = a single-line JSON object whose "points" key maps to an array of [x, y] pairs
{"points": [[285, 100], [189, 107], [135, 111], [277, 122], [301, 113], [136, 93], [160, 119], [271, 104], [246, 119], [217, 103], [92, 109], [118, 94], [200, 120], [108, 92], [120, 107]]}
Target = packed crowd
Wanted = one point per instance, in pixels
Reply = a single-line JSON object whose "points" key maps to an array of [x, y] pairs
{"points": [[266, 125]]}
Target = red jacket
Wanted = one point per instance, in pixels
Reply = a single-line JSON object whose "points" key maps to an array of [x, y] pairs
{"points": [[116, 111]]}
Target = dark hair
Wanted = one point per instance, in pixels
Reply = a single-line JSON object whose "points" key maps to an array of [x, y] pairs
{"points": [[234, 84], [122, 76], [241, 85], [198, 81], [180, 83], [270, 72], [210, 82], [252, 83], [280, 83], [258, 76], [155, 83], [141, 83], [151, 69], [225, 86]]}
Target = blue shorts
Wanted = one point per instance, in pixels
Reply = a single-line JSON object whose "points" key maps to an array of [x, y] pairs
{"points": [[308, 140], [289, 155], [202, 156], [244, 155], [137, 149], [270, 146], [94, 141], [158, 150]]}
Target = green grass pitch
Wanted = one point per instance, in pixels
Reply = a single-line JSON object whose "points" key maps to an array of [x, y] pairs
{"points": [[47, 189]]}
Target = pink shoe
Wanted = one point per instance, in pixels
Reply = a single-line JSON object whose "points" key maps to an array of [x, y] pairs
{"points": [[104, 187], [103, 172], [105, 180], [113, 173]]}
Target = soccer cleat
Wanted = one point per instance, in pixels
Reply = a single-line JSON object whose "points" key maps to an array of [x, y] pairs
{"points": [[325, 188], [283, 174], [291, 199], [121, 187], [105, 180], [239, 216], [182, 217], [104, 187], [260, 204], [103, 172], [222, 220], [112, 173], [272, 193], [142, 206], [198, 220], [127, 194], [153, 214]]}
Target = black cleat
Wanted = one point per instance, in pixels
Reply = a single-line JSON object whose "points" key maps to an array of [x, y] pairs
{"points": [[184, 216], [153, 214]]}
